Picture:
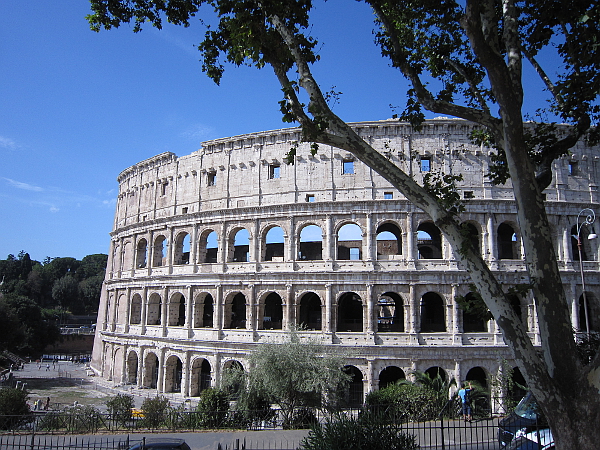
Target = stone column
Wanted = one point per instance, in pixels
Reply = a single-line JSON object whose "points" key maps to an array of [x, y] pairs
{"points": [[492, 238], [328, 241], [189, 311], [164, 308], [251, 322], [127, 320], [160, 383], [185, 375], [410, 238], [289, 308], [328, 322], [369, 256], [369, 309], [144, 314], [414, 313], [219, 308], [574, 307]]}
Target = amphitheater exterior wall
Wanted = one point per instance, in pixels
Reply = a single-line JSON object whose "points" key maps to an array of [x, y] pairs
{"points": [[215, 252]]}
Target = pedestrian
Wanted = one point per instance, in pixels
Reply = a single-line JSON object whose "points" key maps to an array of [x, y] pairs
{"points": [[465, 397], [47, 367], [47, 405]]}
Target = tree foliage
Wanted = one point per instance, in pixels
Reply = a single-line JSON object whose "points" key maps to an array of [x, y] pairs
{"points": [[35, 296], [295, 374], [474, 52]]}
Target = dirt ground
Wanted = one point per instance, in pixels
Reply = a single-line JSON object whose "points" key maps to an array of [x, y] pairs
{"points": [[65, 383]]}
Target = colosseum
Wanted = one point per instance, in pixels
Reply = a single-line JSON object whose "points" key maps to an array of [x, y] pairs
{"points": [[218, 251]]}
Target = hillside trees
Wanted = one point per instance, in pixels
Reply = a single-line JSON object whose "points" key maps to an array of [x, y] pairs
{"points": [[34, 297], [474, 52]]}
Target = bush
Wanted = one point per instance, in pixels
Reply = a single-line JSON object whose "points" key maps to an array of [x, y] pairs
{"points": [[120, 407], [346, 433], [76, 419], [155, 411], [403, 403], [212, 408], [14, 410]]}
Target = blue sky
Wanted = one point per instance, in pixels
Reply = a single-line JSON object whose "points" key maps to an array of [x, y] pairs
{"points": [[78, 107]]}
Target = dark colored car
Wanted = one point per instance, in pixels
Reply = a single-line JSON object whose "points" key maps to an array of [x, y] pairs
{"points": [[161, 444], [525, 427]]}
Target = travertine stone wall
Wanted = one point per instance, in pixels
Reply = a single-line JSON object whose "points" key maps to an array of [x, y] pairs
{"points": [[210, 256]]}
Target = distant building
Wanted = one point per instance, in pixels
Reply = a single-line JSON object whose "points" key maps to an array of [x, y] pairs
{"points": [[218, 251]]}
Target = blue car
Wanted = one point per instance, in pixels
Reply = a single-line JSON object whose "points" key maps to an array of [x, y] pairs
{"points": [[525, 428]]}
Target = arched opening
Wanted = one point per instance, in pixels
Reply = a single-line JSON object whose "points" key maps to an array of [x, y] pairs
{"points": [[435, 371], [274, 245], [158, 255], [233, 378], [177, 310], [473, 235], [132, 368], [173, 374], [151, 371], [390, 375], [154, 307], [204, 311], [141, 253], [349, 312], [135, 316], [472, 323], [200, 377], [355, 393], [349, 242], [592, 312], [390, 317], [273, 312], [429, 241], [518, 386], [433, 318], [587, 249], [241, 246], [235, 312], [478, 375], [310, 311], [208, 247], [311, 244], [508, 242], [182, 249], [515, 303], [389, 241]]}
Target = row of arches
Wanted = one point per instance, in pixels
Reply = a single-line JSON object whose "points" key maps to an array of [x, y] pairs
{"points": [[390, 312], [348, 242], [171, 375]]}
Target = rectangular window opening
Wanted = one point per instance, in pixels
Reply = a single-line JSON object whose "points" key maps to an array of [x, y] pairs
{"points": [[354, 253], [274, 171], [426, 164], [211, 179], [573, 169], [348, 167], [469, 194], [388, 195], [310, 198]]}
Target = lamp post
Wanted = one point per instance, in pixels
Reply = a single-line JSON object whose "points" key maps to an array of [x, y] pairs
{"points": [[590, 217]]}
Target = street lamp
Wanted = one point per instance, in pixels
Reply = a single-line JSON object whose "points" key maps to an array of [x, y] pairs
{"points": [[590, 217]]}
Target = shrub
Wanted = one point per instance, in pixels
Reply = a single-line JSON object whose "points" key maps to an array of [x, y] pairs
{"points": [[75, 419], [345, 433], [120, 407], [155, 411], [403, 402], [14, 410], [212, 408]]}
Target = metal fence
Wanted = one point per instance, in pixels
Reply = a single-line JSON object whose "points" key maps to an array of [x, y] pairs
{"points": [[49, 442]]}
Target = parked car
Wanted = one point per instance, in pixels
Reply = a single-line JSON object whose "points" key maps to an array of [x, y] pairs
{"points": [[161, 444], [525, 428]]}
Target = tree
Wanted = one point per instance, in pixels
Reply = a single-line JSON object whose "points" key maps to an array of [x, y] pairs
{"points": [[474, 51], [295, 374]]}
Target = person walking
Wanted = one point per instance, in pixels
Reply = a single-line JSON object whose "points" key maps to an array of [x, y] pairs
{"points": [[465, 397]]}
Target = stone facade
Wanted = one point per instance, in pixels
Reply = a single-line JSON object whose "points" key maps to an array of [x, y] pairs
{"points": [[218, 251]]}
